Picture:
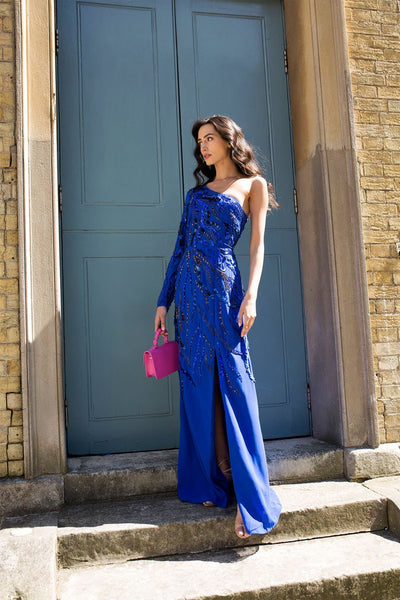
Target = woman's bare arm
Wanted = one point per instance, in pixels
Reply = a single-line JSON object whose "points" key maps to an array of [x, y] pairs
{"points": [[258, 211]]}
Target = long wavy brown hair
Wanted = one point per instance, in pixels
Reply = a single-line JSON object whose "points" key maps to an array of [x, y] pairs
{"points": [[241, 153]]}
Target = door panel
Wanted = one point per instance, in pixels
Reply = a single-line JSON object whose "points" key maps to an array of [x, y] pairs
{"points": [[109, 282], [231, 60], [122, 199]]}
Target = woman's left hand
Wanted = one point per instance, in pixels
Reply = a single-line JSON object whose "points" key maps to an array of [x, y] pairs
{"points": [[247, 313]]}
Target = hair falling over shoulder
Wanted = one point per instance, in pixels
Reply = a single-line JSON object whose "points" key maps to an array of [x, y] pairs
{"points": [[241, 151]]}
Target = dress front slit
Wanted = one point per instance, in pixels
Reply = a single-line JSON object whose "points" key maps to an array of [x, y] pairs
{"points": [[204, 280]]}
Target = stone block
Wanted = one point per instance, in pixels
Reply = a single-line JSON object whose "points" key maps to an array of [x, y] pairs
{"points": [[386, 6], [366, 91], [393, 434], [14, 401], [5, 417], [15, 468], [12, 301], [372, 143], [392, 143], [384, 91], [11, 222], [394, 79], [9, 286], [379, 320], [363, 117], [367, 463], [15, 435], [390, 488], [363, 65], [368, 79], [10, 384], [20, 496], [17, 418], [392, 170], [8, 24], [29, 539], [384, 306], [13, 367], [372, 170], [392, 406], [391, 391], [391, 376], [388, 362], [364, 4], [3, 452], [3, 367], [394, 105], [392, 421], [9, 350], [13, 334], [15, 452], [11, 236], [12, 269], [360, 14]]}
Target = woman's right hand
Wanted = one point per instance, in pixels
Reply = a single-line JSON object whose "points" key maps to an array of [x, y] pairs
{"points": [[159, 321]]}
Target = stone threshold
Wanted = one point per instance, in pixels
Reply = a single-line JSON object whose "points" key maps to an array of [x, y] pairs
{"points": [[119, 476]]}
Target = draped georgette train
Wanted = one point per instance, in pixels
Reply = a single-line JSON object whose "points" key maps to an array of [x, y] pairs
{"points": [[203, 278]]}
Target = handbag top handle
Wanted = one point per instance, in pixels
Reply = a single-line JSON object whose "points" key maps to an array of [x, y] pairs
{"points": [[155, 341]]}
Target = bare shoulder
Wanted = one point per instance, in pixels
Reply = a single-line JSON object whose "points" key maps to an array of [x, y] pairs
{"points": [[258, 185], [258, 194]]}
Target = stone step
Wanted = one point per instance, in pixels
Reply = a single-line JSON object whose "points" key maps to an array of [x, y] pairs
{"points": [[162, 525], [362, 566], [116, 476]]}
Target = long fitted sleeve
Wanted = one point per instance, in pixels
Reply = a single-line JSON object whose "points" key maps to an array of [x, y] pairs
{"points": [[167, 293]]}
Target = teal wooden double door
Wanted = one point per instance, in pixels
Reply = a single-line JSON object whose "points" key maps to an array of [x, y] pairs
{"points": [[133, 75]]}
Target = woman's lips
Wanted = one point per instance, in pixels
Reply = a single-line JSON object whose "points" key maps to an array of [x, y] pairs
{"points": [[206, 156]]}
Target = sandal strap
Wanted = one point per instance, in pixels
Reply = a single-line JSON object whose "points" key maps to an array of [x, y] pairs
{"points": [[228, 469]]}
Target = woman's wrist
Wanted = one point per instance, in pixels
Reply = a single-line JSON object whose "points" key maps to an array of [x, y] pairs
{"points": [[251, 295]]}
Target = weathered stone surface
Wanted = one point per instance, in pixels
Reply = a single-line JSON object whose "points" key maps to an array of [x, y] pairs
{"points": [[158, 526], [303, 459], [367, 463], [28, 557], [19, 496], [123, 475], [389, 487], [120, 475], [360, 565]]}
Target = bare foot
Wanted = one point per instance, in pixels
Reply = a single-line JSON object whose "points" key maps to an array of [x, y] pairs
{"points": [[209, 503], [240, 529]]}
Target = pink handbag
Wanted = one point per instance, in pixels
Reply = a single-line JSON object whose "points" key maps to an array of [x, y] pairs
{"points": [[161, 360]]}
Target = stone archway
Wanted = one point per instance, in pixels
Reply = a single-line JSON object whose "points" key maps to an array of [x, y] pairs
{"points": [[335, 295]]}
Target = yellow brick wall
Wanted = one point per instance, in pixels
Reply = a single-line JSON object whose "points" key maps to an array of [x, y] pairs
{"points": [[11, 436], [373, 28]]}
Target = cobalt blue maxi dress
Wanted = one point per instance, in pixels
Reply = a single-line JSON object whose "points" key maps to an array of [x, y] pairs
{"points": [[204, 279]]}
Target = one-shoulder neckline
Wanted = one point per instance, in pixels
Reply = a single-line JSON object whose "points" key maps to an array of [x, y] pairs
{"points": [[227, 196]]}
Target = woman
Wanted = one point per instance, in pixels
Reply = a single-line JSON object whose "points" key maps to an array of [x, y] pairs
{"points": [[220, 439]]}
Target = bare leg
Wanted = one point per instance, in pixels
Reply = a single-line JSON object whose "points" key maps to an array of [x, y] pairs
{"points": [[220, 441], [221, 444], [222, 450]]}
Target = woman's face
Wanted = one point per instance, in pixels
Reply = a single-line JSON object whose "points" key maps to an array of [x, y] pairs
{"points": [[212, 146]]}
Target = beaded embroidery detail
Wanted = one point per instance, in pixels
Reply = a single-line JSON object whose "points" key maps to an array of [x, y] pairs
{"points": [[204, 279]]}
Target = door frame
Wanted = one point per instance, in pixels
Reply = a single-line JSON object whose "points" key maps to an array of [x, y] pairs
{"points": [[335, 290]]}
